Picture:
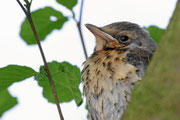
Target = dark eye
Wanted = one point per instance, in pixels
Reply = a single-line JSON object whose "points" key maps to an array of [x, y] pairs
{"points": [[124, 38]]}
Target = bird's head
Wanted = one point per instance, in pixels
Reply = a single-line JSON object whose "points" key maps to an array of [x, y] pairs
{"points": [[122, 34]]}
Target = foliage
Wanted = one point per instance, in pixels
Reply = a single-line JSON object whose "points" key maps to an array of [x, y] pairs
{"points": [[66, 79], [155, 32], [14, 73], [9, 75], [67, 3], [6, 101], [44, 24]]}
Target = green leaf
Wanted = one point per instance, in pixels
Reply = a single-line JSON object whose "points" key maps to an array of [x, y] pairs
{"points": [[9, 75], [155, 32], [67, 3], [41, 75], [6, 101], [66, 78], [14, 73], [45, 21]]}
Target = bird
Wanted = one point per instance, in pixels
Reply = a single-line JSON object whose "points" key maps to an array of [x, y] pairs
{"points": [[122, 53]]}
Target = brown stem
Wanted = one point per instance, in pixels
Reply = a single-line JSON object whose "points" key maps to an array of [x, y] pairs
{"points": [[81, 10], [28, 14], [82, 39], [78, 23], [22, 7]]}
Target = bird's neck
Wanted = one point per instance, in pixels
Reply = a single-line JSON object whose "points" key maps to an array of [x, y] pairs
{"points": [[109, 76]]}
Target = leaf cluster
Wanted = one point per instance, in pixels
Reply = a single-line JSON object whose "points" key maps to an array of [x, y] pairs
{"points": [[65, 75]]}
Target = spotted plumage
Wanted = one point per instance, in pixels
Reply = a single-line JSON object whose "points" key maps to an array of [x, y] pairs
{"points": [[122, 53]]}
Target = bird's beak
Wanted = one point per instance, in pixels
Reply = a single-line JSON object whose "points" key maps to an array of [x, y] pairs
{"points": [[98, 32]]}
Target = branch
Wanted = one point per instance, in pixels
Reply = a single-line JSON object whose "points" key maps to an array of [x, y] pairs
{"points": [[78, 23], [22, 7], [158, 94], [26, 10]]}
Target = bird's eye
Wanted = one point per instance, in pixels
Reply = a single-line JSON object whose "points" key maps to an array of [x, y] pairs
{"points": [[124, 38]]}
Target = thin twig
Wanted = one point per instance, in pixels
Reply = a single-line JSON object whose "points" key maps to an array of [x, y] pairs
{"points": [[22, 7], [81, 10], [28, 14], [82, 39], [78, 23], [46, 66]]}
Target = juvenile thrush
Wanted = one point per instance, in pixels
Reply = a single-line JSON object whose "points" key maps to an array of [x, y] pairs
{"points": [[122, 53]]}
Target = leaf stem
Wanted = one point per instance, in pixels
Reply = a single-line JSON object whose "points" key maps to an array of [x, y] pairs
{"points": [[28, 15]]}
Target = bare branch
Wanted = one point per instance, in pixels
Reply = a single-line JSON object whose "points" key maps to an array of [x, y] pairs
{"points": [[22, 7], [81, 10], [28, 15], [78, 23], [82, 39]]}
